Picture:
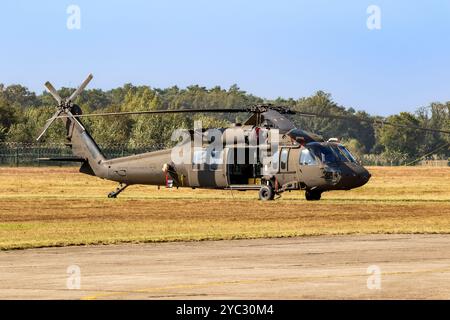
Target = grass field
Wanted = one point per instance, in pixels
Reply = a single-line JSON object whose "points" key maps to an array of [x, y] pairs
{"points": [[58, 206]]}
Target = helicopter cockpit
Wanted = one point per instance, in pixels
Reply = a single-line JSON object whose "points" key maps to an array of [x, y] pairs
{"points": [[327, 153], [330, 166]]}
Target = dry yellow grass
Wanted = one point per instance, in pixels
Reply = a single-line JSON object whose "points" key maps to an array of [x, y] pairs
{"points": [[58, 206]]}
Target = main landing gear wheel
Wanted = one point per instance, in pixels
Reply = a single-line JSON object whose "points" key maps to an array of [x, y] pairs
{"points": [[313, 195], [266, 193]]}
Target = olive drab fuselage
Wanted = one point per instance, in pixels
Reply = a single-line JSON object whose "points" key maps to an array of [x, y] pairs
{"points": [[293, 172]]}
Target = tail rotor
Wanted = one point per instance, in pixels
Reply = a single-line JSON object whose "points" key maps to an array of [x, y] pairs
{"points": [[64, 105]]}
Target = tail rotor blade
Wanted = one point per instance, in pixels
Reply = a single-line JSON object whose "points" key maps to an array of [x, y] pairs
{"points": [[48, 124], [72, 117], [53, 91], [80, 88]]}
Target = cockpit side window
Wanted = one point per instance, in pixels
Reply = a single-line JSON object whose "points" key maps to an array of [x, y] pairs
{"points": [[306, 158], [284, 159]]}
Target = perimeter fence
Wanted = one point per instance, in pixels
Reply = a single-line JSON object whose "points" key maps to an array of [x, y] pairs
{"points": [[28, 154]]}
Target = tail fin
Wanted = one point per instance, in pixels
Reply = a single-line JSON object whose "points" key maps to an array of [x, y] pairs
{"points": [[81, 142]]}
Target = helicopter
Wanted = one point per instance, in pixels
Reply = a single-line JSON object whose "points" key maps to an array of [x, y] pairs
{"points": [[241, 157]]}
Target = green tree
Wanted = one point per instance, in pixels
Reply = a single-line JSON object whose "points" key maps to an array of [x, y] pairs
{"points": [[402, 141], [355, 147], [9, 115], [111, 130], [19, 96], [437, 116], [322, 102]]}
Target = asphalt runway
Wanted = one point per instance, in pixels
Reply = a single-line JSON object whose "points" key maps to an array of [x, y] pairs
{"points": [[323, 267]]}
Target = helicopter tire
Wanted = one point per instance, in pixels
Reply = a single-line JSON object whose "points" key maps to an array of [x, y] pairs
{"points": [[313, 195], [266, 193]]}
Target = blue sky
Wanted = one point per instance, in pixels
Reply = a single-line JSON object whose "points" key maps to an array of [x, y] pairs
{"points": [[269, 48]]}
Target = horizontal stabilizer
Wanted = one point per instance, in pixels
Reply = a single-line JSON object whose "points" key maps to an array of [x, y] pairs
{"points": [[67, 159]]}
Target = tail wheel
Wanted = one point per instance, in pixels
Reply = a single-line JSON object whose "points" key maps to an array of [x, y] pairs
{"points": [[266, 193], [312, 195], [112, 195]]}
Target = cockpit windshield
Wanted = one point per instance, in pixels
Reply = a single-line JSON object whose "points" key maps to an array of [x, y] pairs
{"points": [[331, 153], [347, 153], [339, 153], [324, 153]]}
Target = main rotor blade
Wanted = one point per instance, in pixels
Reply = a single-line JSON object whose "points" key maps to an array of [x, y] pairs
{"points": [[156, 112], [80, 88], [250, 110], [367, 120], [48, 124], [53, 91]]}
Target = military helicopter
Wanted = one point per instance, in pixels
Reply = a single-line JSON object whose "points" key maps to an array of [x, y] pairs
{"points": [[299, 161]]}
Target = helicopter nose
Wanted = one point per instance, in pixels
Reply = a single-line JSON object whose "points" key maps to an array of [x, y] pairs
{"points": [[351, 176], [363, 177], [356, 176]]}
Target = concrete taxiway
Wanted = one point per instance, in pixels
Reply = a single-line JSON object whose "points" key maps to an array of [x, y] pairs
{"points": [[323, 267]]}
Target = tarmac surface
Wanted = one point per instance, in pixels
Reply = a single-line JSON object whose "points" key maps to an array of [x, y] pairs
{"points": [[322, 267]]}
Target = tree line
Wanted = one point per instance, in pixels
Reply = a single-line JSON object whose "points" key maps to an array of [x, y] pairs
{"points": [[23, 113]]}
